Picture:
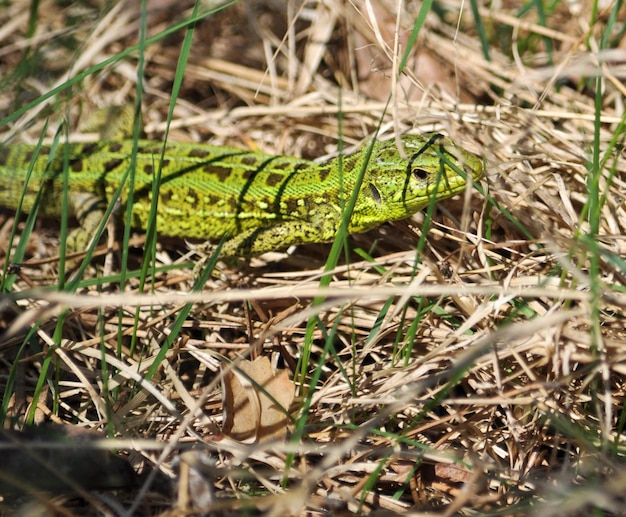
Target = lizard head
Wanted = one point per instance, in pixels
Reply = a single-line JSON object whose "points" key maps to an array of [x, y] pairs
{"points": [[399, 183]]}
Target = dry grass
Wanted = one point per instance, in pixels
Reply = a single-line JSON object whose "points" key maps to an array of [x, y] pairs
{"points": [[483, 373]]}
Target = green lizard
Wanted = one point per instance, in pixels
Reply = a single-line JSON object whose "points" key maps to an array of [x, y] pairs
{"points": [[256, 201]]}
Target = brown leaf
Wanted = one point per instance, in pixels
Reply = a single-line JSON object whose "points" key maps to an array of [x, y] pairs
{"points": [[452, 472], [251, 415]]}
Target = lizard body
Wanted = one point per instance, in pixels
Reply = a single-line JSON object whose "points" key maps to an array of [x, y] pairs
{"points": [[259, 202]]}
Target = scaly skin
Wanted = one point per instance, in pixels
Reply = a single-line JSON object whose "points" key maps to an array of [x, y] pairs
{"points": [[257, 201]]}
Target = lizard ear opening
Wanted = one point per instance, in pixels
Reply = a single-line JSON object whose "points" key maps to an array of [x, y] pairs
{"points": [[375, 194]]}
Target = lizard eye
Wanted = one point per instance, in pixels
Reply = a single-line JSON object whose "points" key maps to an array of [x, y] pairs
{"points": [[420, 174], [375, 194]]}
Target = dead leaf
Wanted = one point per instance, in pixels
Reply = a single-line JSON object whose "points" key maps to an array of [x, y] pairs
{"points": [[452, 472], [256, 401]]}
